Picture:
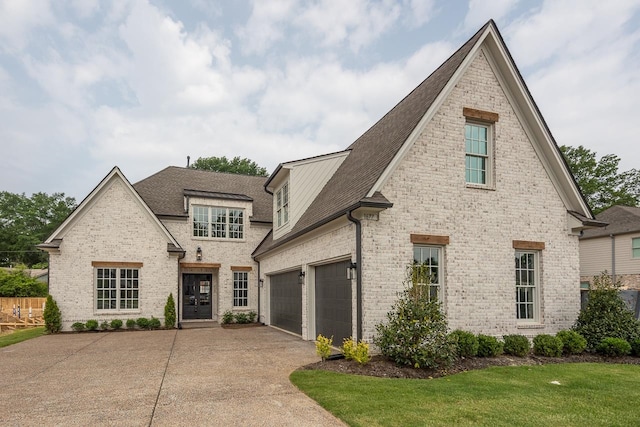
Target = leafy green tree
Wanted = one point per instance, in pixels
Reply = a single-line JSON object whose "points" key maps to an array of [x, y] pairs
{"points": [[28, 221], [236, 165], [601, 183], [17, 283]]}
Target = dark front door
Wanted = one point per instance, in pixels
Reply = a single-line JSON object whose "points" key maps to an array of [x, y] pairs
{"points": [[196, 296]]}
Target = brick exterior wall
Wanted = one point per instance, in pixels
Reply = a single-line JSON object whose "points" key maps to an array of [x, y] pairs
{"points": [[115, 228]]}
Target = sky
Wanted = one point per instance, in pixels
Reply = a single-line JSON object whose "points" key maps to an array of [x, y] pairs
{"points": [[86, 85]]}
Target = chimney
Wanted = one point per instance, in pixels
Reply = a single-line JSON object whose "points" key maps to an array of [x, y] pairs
{"points": [[188, 158]]}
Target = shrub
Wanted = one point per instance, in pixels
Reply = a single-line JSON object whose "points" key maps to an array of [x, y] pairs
{"points": [[489, 346], [355, 351], [635, 347], [170, 313], [131, 323], [572, 342], [467, 343], [116, 324], [547, 345], [52, 316], [18, 284], [516, 345], [154, 323], [143, 323], [241, 318], [227, 317], [415, 333], [606, 315], [104, 325], [92, 325], [323, 347], [78, 326], [614, 347], [252, 316]]}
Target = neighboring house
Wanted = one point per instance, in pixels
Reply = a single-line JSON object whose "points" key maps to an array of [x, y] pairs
{"points": [[462, 177], [614, 248]]}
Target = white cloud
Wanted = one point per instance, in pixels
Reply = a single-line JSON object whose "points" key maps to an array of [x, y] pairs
{"points": [[265, 25], [480, 11], [18, 18], [420, 11]]}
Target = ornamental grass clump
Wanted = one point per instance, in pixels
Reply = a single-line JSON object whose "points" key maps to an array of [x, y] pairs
{"points": [[415, 333], [606, 315]]}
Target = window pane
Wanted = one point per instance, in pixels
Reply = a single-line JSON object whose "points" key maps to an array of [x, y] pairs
{"points": [[635, 245], [200, 221], [526, 284]]}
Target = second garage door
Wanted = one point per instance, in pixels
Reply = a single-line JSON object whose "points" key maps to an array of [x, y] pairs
{"points": [[333, 301], [286, 301]]}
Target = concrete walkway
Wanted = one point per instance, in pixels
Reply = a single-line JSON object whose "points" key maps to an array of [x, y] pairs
{"points": [[189, 377]]}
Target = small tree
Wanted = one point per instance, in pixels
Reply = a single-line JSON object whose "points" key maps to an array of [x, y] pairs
{"points": [[606, 315], [170, 313], [52, 316], [415, 333]]}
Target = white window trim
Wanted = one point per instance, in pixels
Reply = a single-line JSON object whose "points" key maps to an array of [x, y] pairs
{"points": [[633, 247], [281, 208], [489, 174], [244, 279], [440, 284], [118, 288], [536, 320], [210, 230]]}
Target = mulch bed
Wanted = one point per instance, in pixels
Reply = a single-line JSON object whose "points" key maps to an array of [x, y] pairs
{"points": [[240, 325], [379, 366]]}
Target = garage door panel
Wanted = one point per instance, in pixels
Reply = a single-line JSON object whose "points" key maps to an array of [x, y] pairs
{"points": [[286, 301], [333, 301]]}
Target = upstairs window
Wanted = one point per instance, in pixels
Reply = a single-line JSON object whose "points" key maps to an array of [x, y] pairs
{"points": [[477, 148], [218, 223], [635, 247], [282, 205]]}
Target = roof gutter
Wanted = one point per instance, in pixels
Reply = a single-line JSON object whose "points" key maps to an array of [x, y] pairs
{"points": [[358, 273]]}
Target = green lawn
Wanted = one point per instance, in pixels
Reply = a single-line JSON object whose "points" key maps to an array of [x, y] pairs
{"points": [[21, 335], [589, 394]]}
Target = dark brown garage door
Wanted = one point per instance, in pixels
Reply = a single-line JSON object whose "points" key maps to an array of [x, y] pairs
{"points": [[286, 301], [333, 301]]}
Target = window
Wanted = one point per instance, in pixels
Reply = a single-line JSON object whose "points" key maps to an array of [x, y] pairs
{"points": [[426, 268], [526, 285], [477, 142], [635, 247], [282, 205], [218, 223], [240, 289], [117, 288]]}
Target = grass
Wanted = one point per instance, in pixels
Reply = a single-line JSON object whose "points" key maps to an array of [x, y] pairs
{"points": [[20, 335], [589, 394]]}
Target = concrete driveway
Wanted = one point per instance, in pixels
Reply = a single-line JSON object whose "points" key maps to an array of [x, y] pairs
{"points": [[189, 377]]}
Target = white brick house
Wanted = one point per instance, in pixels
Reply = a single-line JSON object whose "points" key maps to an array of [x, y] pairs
{"points": [[462, 176]]}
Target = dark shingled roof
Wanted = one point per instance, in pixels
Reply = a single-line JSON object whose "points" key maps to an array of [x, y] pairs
{"points": [[621, 220], [164, 191]]}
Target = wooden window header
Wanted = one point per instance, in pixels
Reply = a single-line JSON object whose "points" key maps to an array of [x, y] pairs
{"points": [[485, 116], [428, 239], [199, 265], [241, 268], [116, 264], [527, 245]]}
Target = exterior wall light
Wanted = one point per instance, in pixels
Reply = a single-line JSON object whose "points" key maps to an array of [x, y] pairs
{"points": [[352, 271], [199, 254], [301, 277]]}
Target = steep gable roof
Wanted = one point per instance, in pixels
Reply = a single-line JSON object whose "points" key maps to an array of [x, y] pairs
{"points": [[56, 238], [164, 191], [621, 220]]}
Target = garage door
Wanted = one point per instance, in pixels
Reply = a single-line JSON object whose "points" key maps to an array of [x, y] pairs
{"points": [[333, 301], [286, 301]]}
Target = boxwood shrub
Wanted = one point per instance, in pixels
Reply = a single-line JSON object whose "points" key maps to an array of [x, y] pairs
{"points": [[78, 326], [467, 343], [489, 346], [572, 342], [613, 347], [116, 324], [131, 323], [547, 345], [635, 347], [143, 323], [516, 345], [154, 323], [91, 325]]}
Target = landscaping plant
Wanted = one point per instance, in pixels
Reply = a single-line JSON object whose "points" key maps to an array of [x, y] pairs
{"points": [[323, 347], [355, 351], [467, 343], [143, 323], [606, 315], [227, 317], [516, 345], [104, 326], [489, 346], [415, 333], [241, 318], [116, 324], [92, 325], [52, 316], [170, 313], [613, 347], [252, 316], [635, 347], [154, 323], [572, 342], [547, 345], [131, 324], [78, 326]]}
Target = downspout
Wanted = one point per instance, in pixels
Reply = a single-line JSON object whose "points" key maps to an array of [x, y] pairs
{"points": [[358, 274], [613, 257], [178, 293], [259, 290]]}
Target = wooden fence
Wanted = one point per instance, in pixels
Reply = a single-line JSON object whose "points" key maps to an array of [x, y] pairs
{"points": [[21, 312]]}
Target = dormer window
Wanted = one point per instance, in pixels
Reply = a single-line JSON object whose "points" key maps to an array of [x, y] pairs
{"points": [[282, 205]]}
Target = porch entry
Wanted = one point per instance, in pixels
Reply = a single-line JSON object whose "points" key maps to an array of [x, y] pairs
{"points": [[197, 298]]}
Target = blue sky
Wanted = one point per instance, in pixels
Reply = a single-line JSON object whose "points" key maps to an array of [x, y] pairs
{"points": [[86, 85]]}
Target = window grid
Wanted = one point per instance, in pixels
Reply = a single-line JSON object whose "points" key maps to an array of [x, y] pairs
{"points": [[635, 247], [240, 289], [224, 223], [114, 294], [236, 226], [526, 285], [477, 153], [218, 222], [426, 268], [282, 205], [200, 221]]}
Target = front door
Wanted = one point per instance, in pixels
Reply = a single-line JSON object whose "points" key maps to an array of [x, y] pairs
{"points": [[196, 296]]}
